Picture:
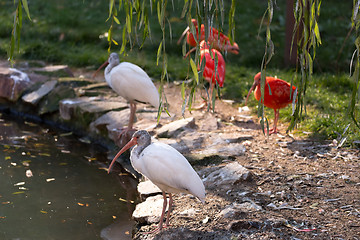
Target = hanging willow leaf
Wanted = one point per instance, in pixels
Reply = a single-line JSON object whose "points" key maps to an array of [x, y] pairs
{"points": [[26, 7], [194, 69], [231, 22], [158, 53], [111, 6]]}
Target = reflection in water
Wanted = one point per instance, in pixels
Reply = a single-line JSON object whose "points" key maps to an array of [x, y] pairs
{"points": [[53, 186]]}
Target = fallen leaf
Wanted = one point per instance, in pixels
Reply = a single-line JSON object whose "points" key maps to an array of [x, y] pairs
{"points": [[127, 233], [26, 163], [66, 134], [114, 217], [43, 212], [44, 154], [15, 193], [19, 184], [124, 200]]}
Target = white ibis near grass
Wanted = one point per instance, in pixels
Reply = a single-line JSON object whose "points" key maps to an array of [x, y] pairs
{"points": [[130, 82], [165, 167]]}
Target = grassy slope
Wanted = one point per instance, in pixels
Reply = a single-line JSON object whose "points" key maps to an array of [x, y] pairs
{"points": [[67, 31]]}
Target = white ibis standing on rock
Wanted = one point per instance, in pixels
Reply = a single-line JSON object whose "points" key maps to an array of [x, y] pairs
{"points": [[165, 167], [130, 82]]}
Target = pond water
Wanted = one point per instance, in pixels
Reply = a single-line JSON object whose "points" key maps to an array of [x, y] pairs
{"points": [[53, 186]]}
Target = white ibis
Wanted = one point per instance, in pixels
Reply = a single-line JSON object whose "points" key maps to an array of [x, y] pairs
{"points": [[165, 167], [130, 82]]}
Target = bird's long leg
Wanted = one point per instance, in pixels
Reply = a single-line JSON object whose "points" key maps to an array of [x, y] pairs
{"points": [[277, 114], [169, 211], [160, 226], [125, 131], [212, 85], [205, 102], [132, 114]]}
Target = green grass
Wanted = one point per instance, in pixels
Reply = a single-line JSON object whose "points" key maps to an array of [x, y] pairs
{"points": [[67, 32]]}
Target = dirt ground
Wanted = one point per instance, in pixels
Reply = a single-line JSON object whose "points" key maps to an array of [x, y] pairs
{"points": [[307, 189]]}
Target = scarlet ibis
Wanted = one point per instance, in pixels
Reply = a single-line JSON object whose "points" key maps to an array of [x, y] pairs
{"points": [[217, 39], [278, 97], [131, 82], [212, 73], [165, 167]]}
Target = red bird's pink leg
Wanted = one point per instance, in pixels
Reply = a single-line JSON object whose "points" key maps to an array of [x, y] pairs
{"points": [[212, 85], [169, 211], [274, 129], [205, 102]]}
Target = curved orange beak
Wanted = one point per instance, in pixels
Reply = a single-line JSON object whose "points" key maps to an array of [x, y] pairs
{"points": [[190, 51], [131, 143], [183, 34], [250, 90], [103, 65]]}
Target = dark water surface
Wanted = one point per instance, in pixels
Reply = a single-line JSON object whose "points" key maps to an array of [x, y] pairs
{"points": [[53, 186]]}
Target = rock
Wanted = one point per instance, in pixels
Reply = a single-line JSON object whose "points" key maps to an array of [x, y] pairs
{"points": [[35, 97], [237, 208], [222, 151], [190, 212], [51, 102], [110, 121], [147, 188], [178, 145], [230, 174], [55, 70], [174, 128], [13, 83], [85, 109], [149, 211], [211, 123], [241, 225], [67, 106]]}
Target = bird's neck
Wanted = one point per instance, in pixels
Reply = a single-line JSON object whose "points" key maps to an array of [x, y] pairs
{"points": [[139, 148], [110, 67]]}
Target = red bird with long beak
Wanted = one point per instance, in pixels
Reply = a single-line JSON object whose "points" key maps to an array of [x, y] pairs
{"points": [[217, 39], [280, 95], [212, 73], [214, 69], [165, 167]]}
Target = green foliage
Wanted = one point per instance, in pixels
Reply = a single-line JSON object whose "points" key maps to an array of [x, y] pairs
{"points": [[353, 109], [306, 14]]}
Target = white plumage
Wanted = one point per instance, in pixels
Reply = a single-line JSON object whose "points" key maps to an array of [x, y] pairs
{"points": [[168, 169], [165, 167], [130, 82]]}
